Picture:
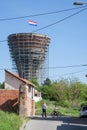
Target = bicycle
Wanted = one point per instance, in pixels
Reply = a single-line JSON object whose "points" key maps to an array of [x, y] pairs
{"points": [[55, 114]]}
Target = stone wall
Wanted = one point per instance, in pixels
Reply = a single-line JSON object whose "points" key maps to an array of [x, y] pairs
{"points": [[26, 104]]}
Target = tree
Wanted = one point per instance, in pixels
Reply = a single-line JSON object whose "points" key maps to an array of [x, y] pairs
{"points": [[61, 90], [45, 92], [66, 92], [35, 81], [2, 85], [83, 93], [47, 82], [77, 92]]}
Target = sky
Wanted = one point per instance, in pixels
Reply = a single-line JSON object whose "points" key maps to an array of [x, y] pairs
{"points": [[68, 44]]}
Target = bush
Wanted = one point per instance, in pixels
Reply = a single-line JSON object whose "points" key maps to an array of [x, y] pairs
{"points": [[66, 104], [84, 103]]}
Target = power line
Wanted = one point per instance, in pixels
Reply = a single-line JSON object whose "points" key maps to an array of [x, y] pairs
{"points": [[3, 40], [49, 25], [6, 69], [47, 13], [80, 71], [70, 66], [60, 20], [74, 72]]}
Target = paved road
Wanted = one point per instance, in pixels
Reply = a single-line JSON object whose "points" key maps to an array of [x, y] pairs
{"points": [[60, 123]]}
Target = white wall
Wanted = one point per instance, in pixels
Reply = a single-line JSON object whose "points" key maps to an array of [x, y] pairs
{"points": [[36, 99], [12, 82]]}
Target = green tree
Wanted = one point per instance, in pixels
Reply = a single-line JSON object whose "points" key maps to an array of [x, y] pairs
{"points": [[45, 91], [83, 93], [2, 85], [61, 91], [35, 81], [47, 82], [66, 92], [77, 90]]}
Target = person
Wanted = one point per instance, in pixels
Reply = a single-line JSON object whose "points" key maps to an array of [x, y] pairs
{"points": [[44, 110], [55, 111]]}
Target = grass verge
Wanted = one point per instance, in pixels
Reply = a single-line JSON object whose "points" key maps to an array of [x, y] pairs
{"points": [[10, 121], [67, 111]]}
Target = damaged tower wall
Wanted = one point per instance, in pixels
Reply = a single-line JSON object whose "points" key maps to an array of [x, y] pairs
{"points": [[29, 53]]}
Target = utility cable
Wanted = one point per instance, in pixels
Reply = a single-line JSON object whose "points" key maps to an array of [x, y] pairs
{"points": [[47, 13], [80, 71], [60, 20], [56, 22], [3, 41], [71, 66], [75, 72]]}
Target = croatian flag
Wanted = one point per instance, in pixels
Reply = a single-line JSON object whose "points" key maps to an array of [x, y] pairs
{"points": [[32, 23]]}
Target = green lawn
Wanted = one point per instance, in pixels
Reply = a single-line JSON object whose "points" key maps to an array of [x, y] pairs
{"points": [[9, 121]]}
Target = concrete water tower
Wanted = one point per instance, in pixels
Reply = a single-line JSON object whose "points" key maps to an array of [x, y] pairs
{"points": [[29, 53]]}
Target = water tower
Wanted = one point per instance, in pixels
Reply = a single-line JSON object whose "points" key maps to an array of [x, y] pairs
{"points": [[29, 53]]}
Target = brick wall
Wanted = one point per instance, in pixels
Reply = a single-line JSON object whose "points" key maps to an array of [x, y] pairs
{"points": [[9, 100]]}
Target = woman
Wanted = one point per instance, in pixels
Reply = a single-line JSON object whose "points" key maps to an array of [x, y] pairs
{"points": [[44, 109]]}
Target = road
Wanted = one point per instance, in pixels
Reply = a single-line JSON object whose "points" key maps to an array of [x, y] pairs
{"points": [[60, 123]]}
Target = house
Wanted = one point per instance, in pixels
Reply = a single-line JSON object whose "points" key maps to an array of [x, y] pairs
{"points": [[26, 93], [37, 96], [13, 82]]}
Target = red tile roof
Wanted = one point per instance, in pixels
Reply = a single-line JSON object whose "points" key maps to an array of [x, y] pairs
{"points": [[23, 80]]}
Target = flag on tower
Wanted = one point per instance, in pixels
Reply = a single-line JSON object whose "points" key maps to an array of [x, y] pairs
{"points": [[32, 23]]}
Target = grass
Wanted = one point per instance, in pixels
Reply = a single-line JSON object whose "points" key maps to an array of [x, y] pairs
{"points": [[9, 121], [68, 111]]}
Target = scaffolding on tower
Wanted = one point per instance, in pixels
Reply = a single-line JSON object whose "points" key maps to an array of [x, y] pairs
{"points": [[30, 55]]}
